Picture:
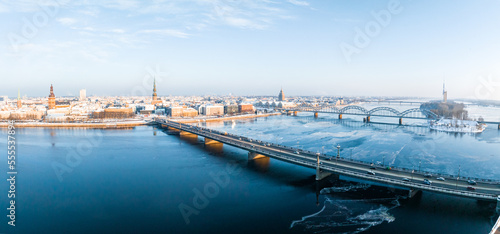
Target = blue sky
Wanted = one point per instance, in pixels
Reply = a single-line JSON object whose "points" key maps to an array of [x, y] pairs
{"points": [[245, 47]]}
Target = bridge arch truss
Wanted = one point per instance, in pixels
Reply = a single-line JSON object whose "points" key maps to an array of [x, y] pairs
{"points": [[418, 113]]}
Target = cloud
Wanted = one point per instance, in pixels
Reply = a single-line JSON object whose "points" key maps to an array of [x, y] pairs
{"points": [[117, 30], [243, 23], [121, 4], [3, 8], [244, 14], [298, 3], [346, 20], [166, 32], [66, 21]]}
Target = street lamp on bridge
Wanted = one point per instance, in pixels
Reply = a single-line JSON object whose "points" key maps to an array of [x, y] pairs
{"points": [[338, 151]]}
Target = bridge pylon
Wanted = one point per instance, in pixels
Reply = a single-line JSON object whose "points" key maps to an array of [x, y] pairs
{"points": [[172, 130], [210, 141], [253, 155], [183, 133], [315, 114], [498, 204], [319, 173], [413, 192]]}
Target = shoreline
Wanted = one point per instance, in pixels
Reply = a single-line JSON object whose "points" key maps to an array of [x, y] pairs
{"points": [[225, 118], [123, 124], [108, 125]]}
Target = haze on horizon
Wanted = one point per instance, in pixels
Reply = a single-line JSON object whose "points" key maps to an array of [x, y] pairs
{"points": [[217, 47]]}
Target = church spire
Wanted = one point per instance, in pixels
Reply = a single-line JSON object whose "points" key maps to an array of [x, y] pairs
{"points": [[19, 104], [52, 98], [52, 91], [155, 97]]}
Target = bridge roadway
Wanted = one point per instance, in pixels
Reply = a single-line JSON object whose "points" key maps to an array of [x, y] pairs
{"points": [[485, 189]]}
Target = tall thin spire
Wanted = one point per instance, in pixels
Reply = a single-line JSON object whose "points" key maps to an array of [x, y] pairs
{"points": [[155, 97], [445, 93], [19, 103], [51, 91], [52, 98]]}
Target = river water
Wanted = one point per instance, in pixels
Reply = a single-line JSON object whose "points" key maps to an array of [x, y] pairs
{"points": [[144, 180]]}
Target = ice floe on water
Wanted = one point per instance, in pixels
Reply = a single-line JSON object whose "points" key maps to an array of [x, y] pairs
{"points": [[344, 188], [348, 216]]}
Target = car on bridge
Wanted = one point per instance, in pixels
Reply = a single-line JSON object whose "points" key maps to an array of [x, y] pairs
{"points": [[471, 188], [471, 182], [427, 182], [297, 152], [440, 178], [370, 173], [428, 175], [406, 179]]}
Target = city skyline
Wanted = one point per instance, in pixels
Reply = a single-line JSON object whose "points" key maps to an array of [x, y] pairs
{"points": [[252, 48]]}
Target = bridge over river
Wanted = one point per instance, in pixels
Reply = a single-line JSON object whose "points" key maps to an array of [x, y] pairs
{"points": [[335, 165], [387, 112]]}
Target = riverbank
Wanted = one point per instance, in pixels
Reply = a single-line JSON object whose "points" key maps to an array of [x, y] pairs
{"points": [[125, 124], [224, 118], [110, 125]]}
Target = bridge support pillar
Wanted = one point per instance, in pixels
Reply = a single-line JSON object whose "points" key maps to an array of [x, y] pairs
{"points": [[340, 116], [499, 127], [183, 133], [253, 155], [210, 141], [498, 205], [315, 114], [173, 130], [288, 112], [413, 192], [367, 119], [295, 113], [400, 121], [321, 174]]}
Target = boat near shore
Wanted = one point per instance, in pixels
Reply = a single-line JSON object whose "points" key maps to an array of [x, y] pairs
{"points": [[455, 125]]}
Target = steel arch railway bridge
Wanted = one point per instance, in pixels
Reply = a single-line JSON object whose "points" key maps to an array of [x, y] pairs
{"points": [[414, 113]]}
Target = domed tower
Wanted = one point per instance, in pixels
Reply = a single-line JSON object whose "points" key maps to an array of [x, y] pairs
{"points": [[281, 96], [52, 98]]}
